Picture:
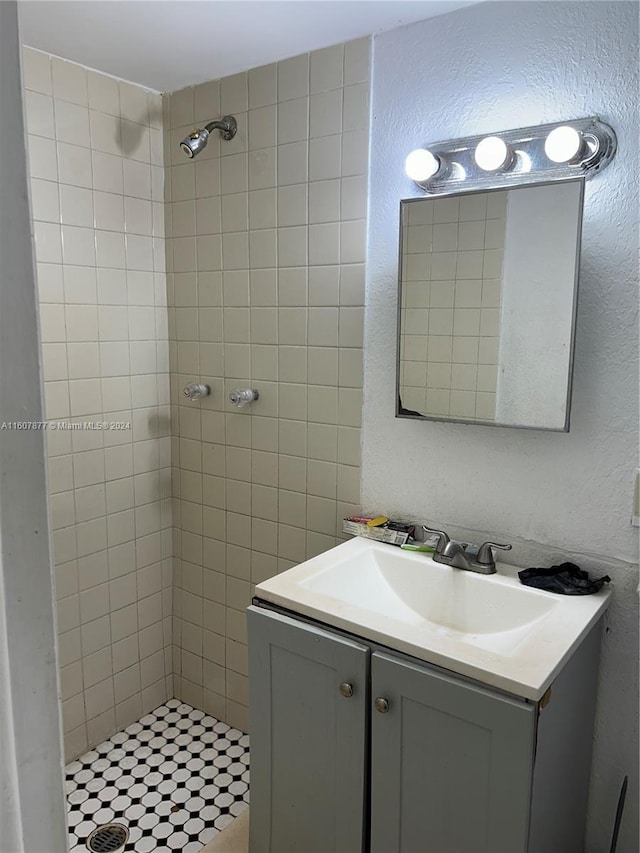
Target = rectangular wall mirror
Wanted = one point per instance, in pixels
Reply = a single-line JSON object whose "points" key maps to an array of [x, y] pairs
{"points": [[487, 304]]}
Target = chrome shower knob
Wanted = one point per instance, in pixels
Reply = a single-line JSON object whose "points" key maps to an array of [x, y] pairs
{"points": [[241, 396], [196, 390]]}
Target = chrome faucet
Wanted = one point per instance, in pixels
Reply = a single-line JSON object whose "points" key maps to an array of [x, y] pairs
{"points": [[459, 555]]}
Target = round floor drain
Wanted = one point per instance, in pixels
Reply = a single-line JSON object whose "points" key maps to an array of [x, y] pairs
{"points": [[108, 838]]}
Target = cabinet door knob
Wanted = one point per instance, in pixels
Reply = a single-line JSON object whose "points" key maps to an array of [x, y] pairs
{"points": [[382, 706], [346, 689]]}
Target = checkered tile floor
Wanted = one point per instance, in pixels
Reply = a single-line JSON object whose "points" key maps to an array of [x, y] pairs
{"points": [[174, 779]]}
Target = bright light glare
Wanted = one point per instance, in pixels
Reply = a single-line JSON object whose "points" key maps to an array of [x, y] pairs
{"points": [[421, 165], [563, 144], [491, 153]]}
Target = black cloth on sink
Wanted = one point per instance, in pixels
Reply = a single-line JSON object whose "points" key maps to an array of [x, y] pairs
{"points": [[566, 579]]}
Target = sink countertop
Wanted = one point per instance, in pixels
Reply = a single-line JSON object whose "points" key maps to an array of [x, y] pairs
{"points": [[490, 628]]}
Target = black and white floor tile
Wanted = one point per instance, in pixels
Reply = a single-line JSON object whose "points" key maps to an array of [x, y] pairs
{"points": [[174, 780]]}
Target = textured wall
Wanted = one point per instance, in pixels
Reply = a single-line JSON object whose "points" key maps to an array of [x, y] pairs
{"points": [[266, 290], [95, 152], [478, 70]]}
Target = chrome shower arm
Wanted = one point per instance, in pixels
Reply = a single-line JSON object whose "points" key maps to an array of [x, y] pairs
{"points": [[227, 126]]}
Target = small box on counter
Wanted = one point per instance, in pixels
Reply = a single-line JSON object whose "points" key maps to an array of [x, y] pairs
{"points": [[391, 532]]}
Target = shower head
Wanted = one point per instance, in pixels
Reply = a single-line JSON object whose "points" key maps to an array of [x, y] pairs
{"points": [[198, 138]]}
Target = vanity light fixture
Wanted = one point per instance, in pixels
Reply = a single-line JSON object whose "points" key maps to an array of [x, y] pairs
{"points": [[564, 144], [492, 153], [421, 165], [527, 155]]}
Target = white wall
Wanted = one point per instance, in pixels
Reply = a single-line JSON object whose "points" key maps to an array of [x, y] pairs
{"points": [[32, 813], [478, 70]]}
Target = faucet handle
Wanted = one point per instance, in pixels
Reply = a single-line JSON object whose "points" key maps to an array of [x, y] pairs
{"points": [[443, 538], [485, 554]]}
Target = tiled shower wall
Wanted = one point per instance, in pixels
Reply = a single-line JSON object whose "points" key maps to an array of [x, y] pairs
{"points": [[96, 162], [266, 250]]}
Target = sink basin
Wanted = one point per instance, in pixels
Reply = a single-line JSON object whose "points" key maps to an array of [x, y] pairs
{"points": [[409, 587], [488, 627]]}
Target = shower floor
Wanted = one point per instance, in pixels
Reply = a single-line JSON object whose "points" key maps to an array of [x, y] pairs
{"points": [[174, 779]]}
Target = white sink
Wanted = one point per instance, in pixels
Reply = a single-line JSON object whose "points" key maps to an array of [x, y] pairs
{"points": [[489, 627], [393, 583]]}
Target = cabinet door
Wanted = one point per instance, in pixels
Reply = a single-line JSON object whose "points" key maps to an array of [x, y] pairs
{"points": [[308, 739], [451, 764]]}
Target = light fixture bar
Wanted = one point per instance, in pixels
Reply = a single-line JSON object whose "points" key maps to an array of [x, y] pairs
{"points": [[529, 160]]}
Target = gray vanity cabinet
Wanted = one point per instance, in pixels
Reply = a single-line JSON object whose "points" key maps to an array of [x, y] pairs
{"points": [[358, 750], [309, 736], [450, 763]]}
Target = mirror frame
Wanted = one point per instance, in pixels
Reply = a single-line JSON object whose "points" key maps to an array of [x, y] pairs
{"points": [[403, 413]]}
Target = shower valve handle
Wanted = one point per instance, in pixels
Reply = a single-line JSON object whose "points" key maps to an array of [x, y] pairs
{"points": [[241, 396], [196, 390]]}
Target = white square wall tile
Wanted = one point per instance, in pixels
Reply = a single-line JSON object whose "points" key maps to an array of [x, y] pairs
{"points": [[262, 127], [234, 94], [103, 93], [292, 246], [72, 123], [182, 107], [134, 104], [353, 241], [79, 246], [109, 210], [110, 249], [293, 120], [44, 201], [355, 108], [106, 133], [39, 114], [206, 102], [69, 81], [325, 158], [74, 164], [36, 70], [263, 86], [353, 197], [48, 240], [293, 78], [263, 208], [76, 206], [356, 61], [326, 69], [325, 113], [43, 162], [324, 244], [84, 362], [324, 201], [262, 168], [107, 172], [292, 163], [355, 146], [291, 205]]}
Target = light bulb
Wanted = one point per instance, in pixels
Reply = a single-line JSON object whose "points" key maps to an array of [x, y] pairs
{"points": [[563, 144], [492, 153], [421, 165]]}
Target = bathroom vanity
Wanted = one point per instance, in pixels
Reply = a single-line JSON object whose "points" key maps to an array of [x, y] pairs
{"points": [[376, 728]]}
